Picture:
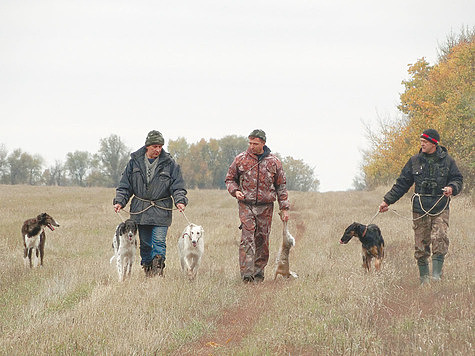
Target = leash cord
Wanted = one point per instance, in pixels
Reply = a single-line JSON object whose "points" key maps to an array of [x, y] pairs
{"points": [[426, 212], [152, 204]]}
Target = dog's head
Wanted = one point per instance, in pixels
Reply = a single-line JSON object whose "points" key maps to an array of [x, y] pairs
{"points": [[350, 231], [194, 233], [47, 220], [128, 228]]}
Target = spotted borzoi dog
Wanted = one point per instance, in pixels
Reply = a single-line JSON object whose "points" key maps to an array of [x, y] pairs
{"points": [[125, 246], [34, 238], [191, 247]]}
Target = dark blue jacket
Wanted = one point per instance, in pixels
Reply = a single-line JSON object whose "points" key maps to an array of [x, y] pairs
{"points": [[167, 183], [429, 179]]}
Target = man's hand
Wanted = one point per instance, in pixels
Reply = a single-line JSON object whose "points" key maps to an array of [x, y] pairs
{"points": [[117, 207], [448, 191], [284, 215], [383, 207], [239, 195], [181, 207]]}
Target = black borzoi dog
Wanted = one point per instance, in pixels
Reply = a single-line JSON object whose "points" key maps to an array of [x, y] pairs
{"points": [[372, 241], [34, 237]]}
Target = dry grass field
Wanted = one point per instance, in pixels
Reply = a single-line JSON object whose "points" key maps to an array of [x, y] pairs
{"points": [[74, 304]]}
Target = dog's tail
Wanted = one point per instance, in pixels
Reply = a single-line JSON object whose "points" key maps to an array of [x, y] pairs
{"points": [[112, 259]]}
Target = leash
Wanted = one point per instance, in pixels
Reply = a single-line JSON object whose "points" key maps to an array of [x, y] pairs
{"points": [[152, 204], [188, 221], [426, 212]]}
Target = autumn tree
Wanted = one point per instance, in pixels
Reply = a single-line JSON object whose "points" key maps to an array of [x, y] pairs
{"points": [[439, 97]]}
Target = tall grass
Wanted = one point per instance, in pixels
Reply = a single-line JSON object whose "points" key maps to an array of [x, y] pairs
{"points": [[74, 304]]}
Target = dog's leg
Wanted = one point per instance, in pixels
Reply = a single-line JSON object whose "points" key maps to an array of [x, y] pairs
{"points": [[377, 264], [367, 259], [42, 247], [30, 251], [119, 268], [25, 256]]}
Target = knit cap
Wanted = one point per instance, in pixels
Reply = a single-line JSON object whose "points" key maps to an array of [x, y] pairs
{"points": [[259, 134], [154, 138], [431, 135]]}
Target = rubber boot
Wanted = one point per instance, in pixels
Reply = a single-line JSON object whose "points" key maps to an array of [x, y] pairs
{"points": [[437, 263], [423, 271]]}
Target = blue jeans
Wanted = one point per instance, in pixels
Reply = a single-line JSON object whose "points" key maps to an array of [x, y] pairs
{"points": [[153, 242]]}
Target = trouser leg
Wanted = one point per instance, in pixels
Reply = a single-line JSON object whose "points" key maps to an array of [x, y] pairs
{"points": [[247, 246], [263, 228]]}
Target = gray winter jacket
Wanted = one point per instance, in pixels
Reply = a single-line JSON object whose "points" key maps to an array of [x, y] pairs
{"points": [[166, 183]]}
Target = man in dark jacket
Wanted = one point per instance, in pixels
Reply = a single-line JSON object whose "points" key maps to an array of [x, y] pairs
{"points": [[154, 180], [436, 178], [256, 179]]}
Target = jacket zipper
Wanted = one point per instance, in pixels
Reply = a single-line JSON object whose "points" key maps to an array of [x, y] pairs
{"points": [[257, 185]]}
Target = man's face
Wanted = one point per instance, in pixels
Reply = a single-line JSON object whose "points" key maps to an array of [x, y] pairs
{"points": [[256, 145], [427, 147], [153, 151]]}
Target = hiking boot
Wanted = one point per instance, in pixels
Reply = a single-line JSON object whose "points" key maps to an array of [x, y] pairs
{"points": [[259, 277], [158, 264], [148, 270], [248, 279]]}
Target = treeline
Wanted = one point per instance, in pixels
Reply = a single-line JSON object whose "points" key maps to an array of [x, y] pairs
{"points": [[204, 165], [440, 97]]}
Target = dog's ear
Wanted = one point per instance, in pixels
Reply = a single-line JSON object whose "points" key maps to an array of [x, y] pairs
{"points": [[121, 229]]}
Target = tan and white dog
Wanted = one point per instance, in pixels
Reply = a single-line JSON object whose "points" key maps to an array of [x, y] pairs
{"points": [[191, 246]]}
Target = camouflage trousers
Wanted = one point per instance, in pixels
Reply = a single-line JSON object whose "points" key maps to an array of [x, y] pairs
{"points": [[431, 231], [256, 223]]}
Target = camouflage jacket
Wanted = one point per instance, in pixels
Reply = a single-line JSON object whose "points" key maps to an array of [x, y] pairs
{"points": [[261, 181], [429, 178]]}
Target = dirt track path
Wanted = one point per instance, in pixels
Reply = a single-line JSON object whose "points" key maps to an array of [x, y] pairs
{"points": [[238, 321]]}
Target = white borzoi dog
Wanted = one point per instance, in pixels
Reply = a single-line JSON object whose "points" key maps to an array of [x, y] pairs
{"points": [[191, 246], [34, 237], [125, 246]]}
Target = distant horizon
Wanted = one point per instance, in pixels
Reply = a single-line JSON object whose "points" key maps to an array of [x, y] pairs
{"points": [[309, 74]]}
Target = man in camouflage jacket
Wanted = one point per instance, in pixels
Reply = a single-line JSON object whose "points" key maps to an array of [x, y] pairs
{"points": [[256, 179], [436, 178]]}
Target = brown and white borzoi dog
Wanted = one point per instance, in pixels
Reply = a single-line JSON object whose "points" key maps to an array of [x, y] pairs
{"points": [[34, 237], [191, 247], [125, 246]]}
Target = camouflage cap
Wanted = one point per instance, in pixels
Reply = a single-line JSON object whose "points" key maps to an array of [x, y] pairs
{"points": [[259, 134], [154, 138]]}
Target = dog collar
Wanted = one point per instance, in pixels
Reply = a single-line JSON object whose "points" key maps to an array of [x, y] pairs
{"points": [[364, 232]]}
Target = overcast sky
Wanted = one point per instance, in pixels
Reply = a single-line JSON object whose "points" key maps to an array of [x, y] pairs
{"points": [[309, 73]]}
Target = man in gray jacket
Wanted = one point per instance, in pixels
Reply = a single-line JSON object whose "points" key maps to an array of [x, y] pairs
{"points": [[154, 180]]}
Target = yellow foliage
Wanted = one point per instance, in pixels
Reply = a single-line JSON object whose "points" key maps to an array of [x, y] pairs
{"points": [[439, 97]]}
